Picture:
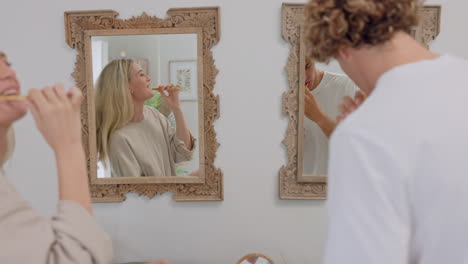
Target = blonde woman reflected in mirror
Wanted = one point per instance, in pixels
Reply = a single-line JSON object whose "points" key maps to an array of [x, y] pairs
{"points": [[135, 140], [72, 235]]}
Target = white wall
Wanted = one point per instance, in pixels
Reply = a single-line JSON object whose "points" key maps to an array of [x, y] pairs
{"points": [[251, 57], [176, 47]]}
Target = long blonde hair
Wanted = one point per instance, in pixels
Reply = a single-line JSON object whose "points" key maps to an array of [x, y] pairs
{"points": [[114, 103]]}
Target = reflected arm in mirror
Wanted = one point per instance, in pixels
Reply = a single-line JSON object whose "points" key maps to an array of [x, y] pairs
{"points": [[313, 112], [327, 125], [183, 132], [179, 136], [172, 99]]}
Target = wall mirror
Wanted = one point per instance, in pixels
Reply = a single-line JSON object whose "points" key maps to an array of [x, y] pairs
{"points": [[149, 105], [304, 177], [148, 148]]}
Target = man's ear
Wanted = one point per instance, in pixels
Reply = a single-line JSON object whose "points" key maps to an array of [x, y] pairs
{"points": [[343, 53]]}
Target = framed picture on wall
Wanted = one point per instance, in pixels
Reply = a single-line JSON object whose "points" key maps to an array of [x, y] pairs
{"points": [[184, 73]]}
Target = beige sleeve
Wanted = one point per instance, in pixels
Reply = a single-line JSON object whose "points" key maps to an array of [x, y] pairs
{"points": [[123, 162], [72, 236], [178, 148]]}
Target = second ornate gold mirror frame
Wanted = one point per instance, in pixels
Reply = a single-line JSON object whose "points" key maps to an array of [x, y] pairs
{"points": [[80, 27], [294, 185]]}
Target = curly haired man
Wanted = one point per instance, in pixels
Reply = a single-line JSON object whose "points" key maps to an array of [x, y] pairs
{"points": [[398, 169]]}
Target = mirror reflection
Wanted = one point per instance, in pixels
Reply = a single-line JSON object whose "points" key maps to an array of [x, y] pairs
{"points": [[146, 105], [325, 88]]}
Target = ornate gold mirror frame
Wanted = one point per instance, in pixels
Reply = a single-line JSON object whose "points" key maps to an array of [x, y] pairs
{"points": [[80, 27], [293, 184]]}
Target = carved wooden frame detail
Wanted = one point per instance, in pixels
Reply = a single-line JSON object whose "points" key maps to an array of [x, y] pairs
{"points": [[294, 186], [79, 27]]}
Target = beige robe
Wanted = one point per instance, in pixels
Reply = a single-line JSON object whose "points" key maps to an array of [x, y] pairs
{"points": [[147, 148], [71, 236]]}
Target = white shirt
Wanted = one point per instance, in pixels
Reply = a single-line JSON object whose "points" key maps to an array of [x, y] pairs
{"points": [[329, 95], [398, 172]]}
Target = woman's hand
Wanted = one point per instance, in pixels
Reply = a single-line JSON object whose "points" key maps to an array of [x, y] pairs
{"points": [[57, 115], [170, 94], [350, 105]]}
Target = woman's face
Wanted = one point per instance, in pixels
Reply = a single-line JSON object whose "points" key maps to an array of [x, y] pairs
{"points": [[10, 111], [140, 84]]}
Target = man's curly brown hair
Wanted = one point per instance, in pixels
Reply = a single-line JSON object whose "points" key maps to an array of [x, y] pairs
{"points": [[331, 24]]}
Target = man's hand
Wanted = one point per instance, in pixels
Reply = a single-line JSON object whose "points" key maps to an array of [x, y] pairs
{"points": [[350, 105]]}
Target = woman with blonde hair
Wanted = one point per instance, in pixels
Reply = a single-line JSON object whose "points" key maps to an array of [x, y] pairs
{"points": [[72, 235], [398, 185], [138, 140]]}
